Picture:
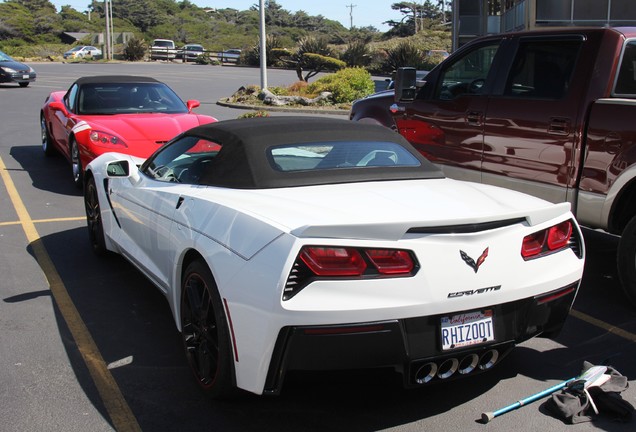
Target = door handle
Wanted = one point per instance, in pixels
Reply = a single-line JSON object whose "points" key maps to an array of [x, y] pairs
{"points": [[475, 118], [559, 126]]}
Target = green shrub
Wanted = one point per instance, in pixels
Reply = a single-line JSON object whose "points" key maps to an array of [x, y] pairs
{"points": [[253, 114], [357, 53], [345, 85], [406, 53], [31, 51], [135, 49], [279, 91]]}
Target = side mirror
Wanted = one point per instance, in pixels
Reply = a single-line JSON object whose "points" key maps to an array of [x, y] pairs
{"points": [[405, 84], [58, 106], [121, 169], [192, 104]]}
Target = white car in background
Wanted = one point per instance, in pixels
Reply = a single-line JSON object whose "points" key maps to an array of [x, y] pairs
{"points": [[290, 243], [84, 51]]}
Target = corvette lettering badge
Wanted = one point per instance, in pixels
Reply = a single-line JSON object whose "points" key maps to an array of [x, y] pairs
{"points": [[471, 262]]}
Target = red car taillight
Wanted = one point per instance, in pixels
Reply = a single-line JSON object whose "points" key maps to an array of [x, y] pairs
{"points": [[546, 241]]}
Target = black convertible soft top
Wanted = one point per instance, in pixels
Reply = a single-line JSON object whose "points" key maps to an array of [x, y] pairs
{"points": [[245, 160]]}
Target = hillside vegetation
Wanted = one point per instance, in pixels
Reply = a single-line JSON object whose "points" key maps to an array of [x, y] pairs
{"points": [[33, 29]]}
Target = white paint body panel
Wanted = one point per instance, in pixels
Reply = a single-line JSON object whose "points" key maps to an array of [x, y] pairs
{"points": [[250, 238]]}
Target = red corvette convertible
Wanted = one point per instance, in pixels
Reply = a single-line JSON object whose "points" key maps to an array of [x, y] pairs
{"points": [[127, 114]]}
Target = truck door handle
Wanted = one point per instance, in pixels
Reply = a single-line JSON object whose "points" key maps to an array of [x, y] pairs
{"points": [[474, 118], [559, 126]]}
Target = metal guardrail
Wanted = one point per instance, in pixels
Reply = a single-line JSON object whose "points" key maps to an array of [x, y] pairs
{"points": [[172, 53]]}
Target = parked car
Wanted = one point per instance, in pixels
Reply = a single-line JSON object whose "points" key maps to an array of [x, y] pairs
{"points": [[545, 112], [441, 53], [99, 114], [12, 71], [163, 49], [230, 56], [190, 52], [326, 244], [80, 52]]}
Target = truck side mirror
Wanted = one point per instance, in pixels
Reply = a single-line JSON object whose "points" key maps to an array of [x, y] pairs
{"points": [[405, 84]]}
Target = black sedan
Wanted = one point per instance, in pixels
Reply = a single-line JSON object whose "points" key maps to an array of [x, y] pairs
{"points": [[14, 71]]}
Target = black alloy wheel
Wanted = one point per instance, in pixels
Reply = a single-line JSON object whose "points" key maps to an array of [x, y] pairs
{"points": [[205, 333], [94, 218]]}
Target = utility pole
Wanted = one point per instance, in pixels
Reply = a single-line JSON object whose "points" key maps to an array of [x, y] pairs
{"points": [[351, 6], [107, 53], [263, 44]]}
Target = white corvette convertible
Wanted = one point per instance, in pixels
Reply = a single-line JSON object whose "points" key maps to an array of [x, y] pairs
{"points": [[294, 243]]}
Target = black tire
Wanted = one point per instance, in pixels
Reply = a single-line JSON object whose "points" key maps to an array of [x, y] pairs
{"points": [[23, 84], [205, 333], [626, 260], [47, 145], [94, 218], [76, 164]]}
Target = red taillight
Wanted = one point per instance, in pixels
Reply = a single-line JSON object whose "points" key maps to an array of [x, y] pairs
{"points": [[391, 261], [547, 240], [328, 261], [559, 235], [533, 244]]}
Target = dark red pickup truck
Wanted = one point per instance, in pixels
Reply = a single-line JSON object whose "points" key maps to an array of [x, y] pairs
{"points": [[551, 113]]}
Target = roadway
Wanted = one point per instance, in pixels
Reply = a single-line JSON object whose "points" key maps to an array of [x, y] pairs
{"points": [[89, 344]]}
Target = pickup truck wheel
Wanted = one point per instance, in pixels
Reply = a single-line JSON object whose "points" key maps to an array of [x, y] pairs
{"points": [[626, 260]]}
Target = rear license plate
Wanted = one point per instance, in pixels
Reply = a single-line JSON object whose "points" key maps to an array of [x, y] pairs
{"points": [[466, 329]]}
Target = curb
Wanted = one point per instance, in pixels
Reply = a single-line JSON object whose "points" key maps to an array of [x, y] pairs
{"points": [[224, 103]]}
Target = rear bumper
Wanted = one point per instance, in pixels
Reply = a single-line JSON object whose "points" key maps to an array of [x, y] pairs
{"points": [[412, 346]]}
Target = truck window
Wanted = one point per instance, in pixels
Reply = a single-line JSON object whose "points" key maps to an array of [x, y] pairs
{"points": [[467, 75], [542, 69], [626, 81]]}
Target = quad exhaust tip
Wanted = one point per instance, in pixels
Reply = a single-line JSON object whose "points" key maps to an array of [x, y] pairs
{"points": [[428, 371]]}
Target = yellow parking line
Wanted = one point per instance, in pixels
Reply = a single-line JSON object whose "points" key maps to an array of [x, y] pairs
{"points": [[605, 326], [37, 221], [114, 402]]}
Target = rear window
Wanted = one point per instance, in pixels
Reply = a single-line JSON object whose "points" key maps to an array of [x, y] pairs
{"points": [[337, 155], [626, 80]]}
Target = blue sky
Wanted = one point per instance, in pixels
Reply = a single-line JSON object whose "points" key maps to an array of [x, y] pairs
{"points": [[365, 12]]}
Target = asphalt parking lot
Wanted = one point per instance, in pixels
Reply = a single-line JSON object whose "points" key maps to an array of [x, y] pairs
{"points": [[90, 344]]}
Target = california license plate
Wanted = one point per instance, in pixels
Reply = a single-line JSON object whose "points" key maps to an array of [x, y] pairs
{"points": [[466, 329], [25, 76]]}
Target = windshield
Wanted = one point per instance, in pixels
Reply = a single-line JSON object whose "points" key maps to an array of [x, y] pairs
{"points": [[129, 98], [4, 57]]}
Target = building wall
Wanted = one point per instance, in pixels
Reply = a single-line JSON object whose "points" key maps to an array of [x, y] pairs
{"points": [[474, 18]]}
